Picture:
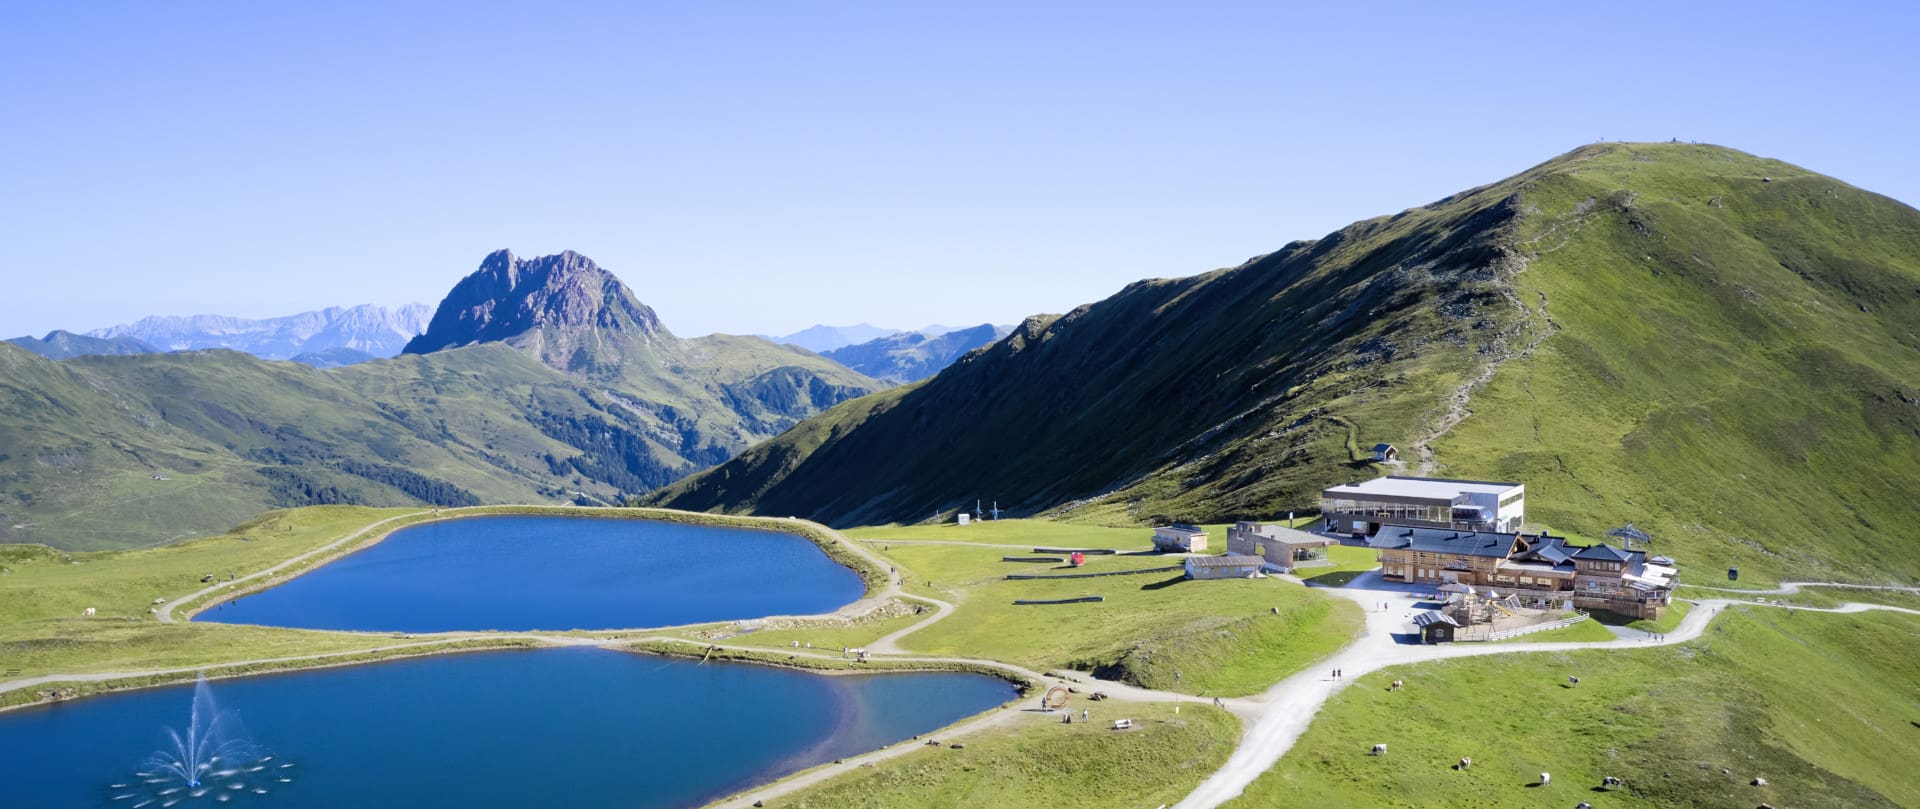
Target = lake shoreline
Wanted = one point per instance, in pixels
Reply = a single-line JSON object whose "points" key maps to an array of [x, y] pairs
{"points": [[815, 663], [873, 581], [84, 689]]}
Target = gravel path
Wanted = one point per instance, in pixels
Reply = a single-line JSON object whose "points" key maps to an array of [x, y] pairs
{"points": [[1289, 707]]}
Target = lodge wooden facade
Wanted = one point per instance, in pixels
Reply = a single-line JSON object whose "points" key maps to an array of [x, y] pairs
{"points": [[1542, 566]]}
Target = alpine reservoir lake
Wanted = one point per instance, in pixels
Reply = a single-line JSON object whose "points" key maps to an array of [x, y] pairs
{"points": [[519, 573], [577, 727]]}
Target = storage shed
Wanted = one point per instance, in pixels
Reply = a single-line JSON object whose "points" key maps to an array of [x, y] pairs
{"points": [[1223, 567], [1179, 538], [1435, 627]]}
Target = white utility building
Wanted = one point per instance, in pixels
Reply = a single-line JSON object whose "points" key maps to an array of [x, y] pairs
{"points": [[1468, 505]]}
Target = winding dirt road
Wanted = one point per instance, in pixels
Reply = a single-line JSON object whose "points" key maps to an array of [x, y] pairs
{"points": [[1288, 708]]}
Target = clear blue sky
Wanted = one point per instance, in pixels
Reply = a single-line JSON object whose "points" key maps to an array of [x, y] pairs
{"points": [[759, 167]]}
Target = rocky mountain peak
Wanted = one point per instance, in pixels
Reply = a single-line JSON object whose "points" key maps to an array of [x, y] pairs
{"points": [[550, 300]]}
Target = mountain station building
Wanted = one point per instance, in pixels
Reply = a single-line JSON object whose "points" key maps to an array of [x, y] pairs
{"points": [[1462, 505]]}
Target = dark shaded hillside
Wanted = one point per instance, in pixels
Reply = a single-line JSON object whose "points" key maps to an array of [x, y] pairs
{"points": [[1202, 397], [1717, 346]]}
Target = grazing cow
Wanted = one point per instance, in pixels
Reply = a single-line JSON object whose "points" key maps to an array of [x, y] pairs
{"points": [[1546, 778], [1573, 680], [1583, 805], [1397, 685], [88, 612], [1379, 749], [1609, 782], [1465, 764]]}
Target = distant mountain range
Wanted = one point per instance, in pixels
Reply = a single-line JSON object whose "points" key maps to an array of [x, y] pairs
{"points": [[373, 330], [914, 355], [821, 339], [536, 380], [61, 345]]}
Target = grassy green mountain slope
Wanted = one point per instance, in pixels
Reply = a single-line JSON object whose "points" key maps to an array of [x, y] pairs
{"points": [[1734, 362], [1718, 346]]}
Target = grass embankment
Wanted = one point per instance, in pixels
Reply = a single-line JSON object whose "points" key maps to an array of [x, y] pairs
{"points": [[1821, 706], [1222, 637], [65, 690], [44, 594], [812, 660], [1588, 630], [1676, 611], [829, 634], [1043, 764]]}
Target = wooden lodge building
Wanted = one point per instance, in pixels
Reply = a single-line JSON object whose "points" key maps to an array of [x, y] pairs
{"points": [[1593, 576]]}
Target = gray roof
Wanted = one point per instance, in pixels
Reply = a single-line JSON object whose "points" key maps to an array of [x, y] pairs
{"points": [[1431, 617], [1550, 551], [1424, 488], [1290, 536], [1604, 553], [1225, 561], [1442, 540]]}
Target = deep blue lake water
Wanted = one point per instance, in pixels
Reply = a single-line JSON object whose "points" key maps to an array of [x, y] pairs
{"points": [[553, 727], [525, 573]]}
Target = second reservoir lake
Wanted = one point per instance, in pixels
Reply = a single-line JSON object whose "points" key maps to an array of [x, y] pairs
{"points": [[522, 573]]}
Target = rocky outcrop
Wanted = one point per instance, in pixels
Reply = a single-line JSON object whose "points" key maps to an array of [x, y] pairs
{"points": [[564, 308]]}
